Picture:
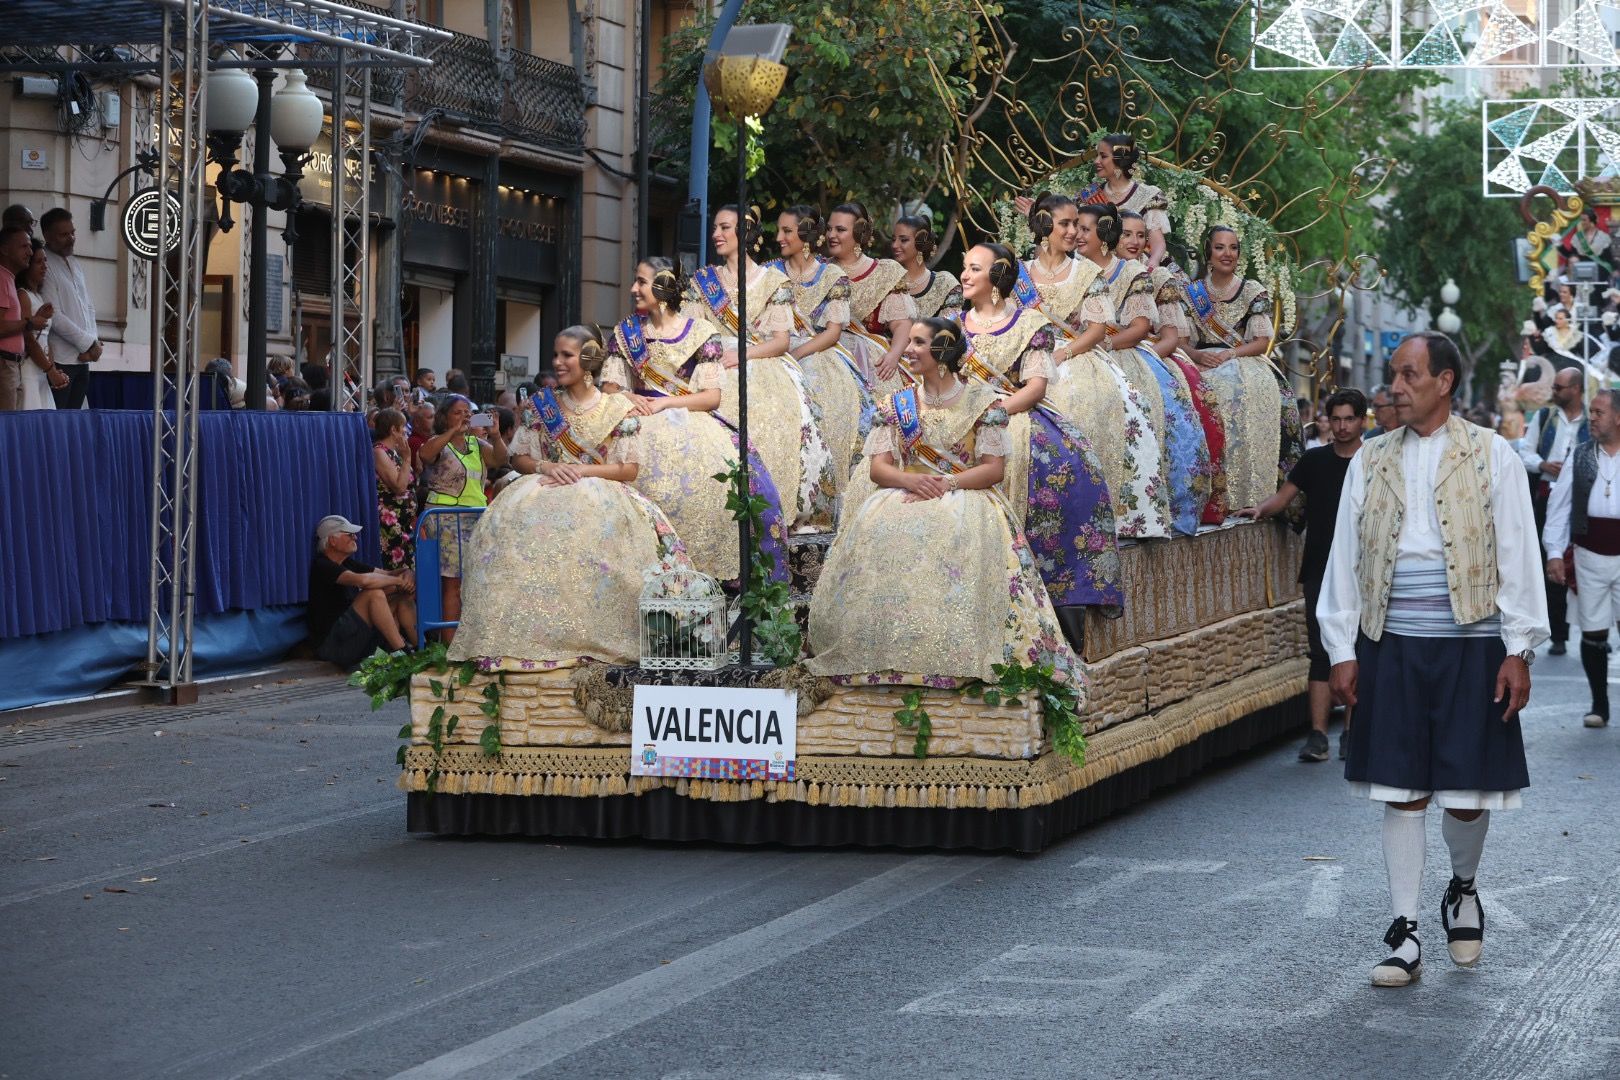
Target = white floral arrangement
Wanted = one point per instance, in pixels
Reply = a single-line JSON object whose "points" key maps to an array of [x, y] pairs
{"points": [[1194, 207], [683, 616]]}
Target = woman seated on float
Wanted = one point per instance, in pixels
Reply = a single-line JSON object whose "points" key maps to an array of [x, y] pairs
{"points": [[1054, 483], [553, 572], [833, 378], [1089, 388], [1232, 329], [668, 367], [929, 578], [781, 418], [1172, 329]]}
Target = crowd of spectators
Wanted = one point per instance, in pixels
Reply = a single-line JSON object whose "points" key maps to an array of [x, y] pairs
{"points": [[48, 329]]}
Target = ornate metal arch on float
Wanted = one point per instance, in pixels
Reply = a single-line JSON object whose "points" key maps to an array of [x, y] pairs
{"points": [[1007, 144]]}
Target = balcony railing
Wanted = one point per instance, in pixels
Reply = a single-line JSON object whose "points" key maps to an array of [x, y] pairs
{"points": [[529, 97], [670, 130]]}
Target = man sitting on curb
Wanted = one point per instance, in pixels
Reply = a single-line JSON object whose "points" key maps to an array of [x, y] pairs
{"points": [[354, 608]]}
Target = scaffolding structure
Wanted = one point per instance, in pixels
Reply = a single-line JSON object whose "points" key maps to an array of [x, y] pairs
{"points": [[172, 40]]}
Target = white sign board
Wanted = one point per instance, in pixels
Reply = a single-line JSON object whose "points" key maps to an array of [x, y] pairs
{"points": [[714, 733], [34, 158]]}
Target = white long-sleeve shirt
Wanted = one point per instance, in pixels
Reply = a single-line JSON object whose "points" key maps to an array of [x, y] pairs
{"points": [[1561, 501], [1520, 596], [1563, 444], [73, 326]]}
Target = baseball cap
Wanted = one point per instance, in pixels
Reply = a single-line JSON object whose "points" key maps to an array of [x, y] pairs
{"points": [[333, 524]]}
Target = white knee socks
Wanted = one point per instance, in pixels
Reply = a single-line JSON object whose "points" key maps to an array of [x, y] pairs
{"points": [[1465, 839], [1403, 858]]}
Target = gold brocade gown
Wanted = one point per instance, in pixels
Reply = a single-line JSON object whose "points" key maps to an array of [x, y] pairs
{"points": [[553, 575], [896, 603], [941, 294], [682, 451], [842, 398], [781, 419], [877, 297]]}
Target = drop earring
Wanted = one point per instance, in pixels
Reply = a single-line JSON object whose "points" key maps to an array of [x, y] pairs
{"points": [[995, 297]]}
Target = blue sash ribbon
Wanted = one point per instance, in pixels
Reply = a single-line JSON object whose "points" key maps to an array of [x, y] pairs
{"points": [[635, 341], [906, 417], [713, 290], [1024, 291]]}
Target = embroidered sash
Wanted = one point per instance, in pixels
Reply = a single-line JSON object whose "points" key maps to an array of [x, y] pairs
{"points": [[1202, 307], [1024, 291], [632, 341], [908, 420], [714, 294], [549, 414], [1096, 195]]}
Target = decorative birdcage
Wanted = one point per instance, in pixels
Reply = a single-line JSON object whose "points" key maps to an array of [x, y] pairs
{"points": [[683, 621]]}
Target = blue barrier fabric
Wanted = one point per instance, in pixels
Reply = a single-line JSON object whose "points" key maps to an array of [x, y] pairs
{"points": [[88, 659], [75, 534]]}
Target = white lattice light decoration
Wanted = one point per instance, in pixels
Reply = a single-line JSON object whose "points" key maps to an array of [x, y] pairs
{"points": [[1551, 141], [1293, 35]]}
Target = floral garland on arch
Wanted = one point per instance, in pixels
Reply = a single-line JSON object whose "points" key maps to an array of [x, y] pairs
{"points": [[1195, 205]]}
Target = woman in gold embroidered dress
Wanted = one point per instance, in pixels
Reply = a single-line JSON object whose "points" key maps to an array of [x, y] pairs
{"points": [[1232, 327], [1183, 452], [553, 573], [935, 292], [880, 307], [668, 367], [1171, 330], [781, 419], [1116, 161], [969, 596], [820, 314], [1090, 388]]}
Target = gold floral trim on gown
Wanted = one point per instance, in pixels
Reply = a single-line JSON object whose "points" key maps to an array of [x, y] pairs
{"points": [[938, 590], [782, 425], [1251, 401], [553, 575], [832, 376], [877, 297], [941, 295]]}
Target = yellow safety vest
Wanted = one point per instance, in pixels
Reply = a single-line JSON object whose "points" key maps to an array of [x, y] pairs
{"points": [[472, 487]]}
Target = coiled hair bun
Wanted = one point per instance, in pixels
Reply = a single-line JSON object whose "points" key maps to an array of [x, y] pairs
{"points": [[812, 227], [1108, 223], [946, 342], [749, 234], [591, 352], [1043, 214], [1125, 152], [1003, 270], [922, 234], [863, 221]]}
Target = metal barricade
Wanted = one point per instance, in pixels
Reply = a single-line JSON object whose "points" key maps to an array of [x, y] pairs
{"points": [[434, 521]]}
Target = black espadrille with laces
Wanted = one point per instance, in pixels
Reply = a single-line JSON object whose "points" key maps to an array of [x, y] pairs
{"points": [[1400, 970], [1465, 942]]}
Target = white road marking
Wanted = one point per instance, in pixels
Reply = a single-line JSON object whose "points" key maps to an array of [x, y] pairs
{"points": [[530, 1046], [1185, 987], [1004, 988], [1327, 890], [749, 1074], [1127, 872], [1501, 915]]}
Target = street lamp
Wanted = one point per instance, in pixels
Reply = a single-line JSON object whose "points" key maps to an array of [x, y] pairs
{"points": [[1448, 322], [743, 80], [293, 118]]}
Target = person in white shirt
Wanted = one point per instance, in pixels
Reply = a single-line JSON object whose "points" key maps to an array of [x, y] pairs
{"points": [[1431, 609], [1550, 436], [75, 342], [1585, 508]]}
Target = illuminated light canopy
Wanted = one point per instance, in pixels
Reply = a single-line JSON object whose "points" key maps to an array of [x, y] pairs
{"points": [[1560, 141]]}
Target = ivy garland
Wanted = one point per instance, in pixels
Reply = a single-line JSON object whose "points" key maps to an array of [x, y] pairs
{"points": [[385, 676], [768, 603], [1060, 713]]}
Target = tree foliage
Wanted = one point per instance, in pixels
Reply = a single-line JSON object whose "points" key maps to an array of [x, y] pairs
{"points": [[1438, 226], [861, 115]]}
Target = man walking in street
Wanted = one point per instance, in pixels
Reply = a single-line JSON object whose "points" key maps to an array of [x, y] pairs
{"points": [[1431, 613], [75, 341], [1320, 475], [1585, 507], [1383, 412], [1550, 436]]}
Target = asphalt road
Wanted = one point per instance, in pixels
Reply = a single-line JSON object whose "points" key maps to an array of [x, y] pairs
{"points": [[228, 891]]}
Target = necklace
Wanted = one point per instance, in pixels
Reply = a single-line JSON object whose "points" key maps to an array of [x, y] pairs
{"points": [[947, 397], [1608, 478], [580, 408]]}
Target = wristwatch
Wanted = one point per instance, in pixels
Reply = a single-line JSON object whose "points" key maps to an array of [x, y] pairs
{"points": [[1527, 655]]}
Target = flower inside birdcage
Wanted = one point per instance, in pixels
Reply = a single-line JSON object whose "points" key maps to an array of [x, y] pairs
{"points": [[683, 618]]}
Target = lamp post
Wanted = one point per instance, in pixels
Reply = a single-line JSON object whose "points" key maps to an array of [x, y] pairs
{"points": [[1449, 323], [743, 79], [292, 117]]}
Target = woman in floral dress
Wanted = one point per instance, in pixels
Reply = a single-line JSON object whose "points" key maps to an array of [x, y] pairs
{"points": [[781, 418], [1232, 333], [668, 367], [969, 596], [1054, 483], [396, 489], [880, 307], [554, 570]]}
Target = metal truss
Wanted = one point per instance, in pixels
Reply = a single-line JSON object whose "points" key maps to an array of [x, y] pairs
{"points": [[351, 288], [1298, 35]]}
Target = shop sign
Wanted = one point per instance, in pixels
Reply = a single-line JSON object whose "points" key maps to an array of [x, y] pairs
{"points": [[141, 219], [714, 732]]}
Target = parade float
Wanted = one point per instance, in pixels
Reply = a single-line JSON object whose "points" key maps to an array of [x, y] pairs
{"points": [[1205, 660]]}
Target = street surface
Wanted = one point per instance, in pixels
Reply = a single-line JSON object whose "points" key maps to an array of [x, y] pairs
{"points": [[227, 891]]}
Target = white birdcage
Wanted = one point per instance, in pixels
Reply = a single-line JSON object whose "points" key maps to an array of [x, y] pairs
{"points": [[683, 621]]}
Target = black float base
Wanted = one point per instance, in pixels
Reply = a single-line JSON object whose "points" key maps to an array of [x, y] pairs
{"points": [[664, 815]]}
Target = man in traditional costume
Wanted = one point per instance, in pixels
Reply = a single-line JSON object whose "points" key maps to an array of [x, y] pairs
{"points": [[1431, 610], [1585, 508], [1550, 437]]}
